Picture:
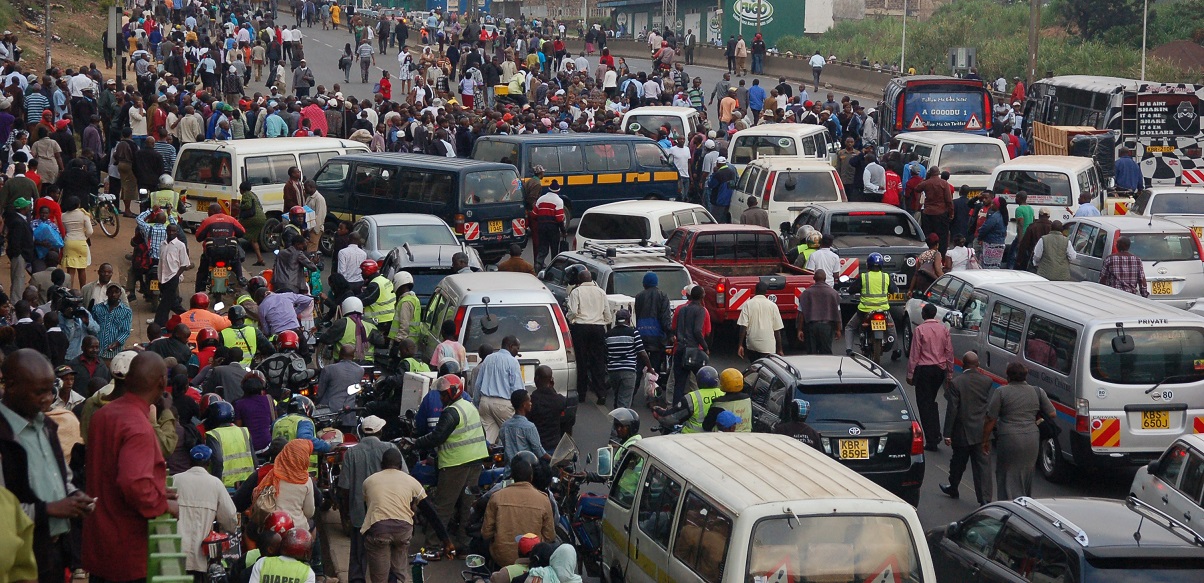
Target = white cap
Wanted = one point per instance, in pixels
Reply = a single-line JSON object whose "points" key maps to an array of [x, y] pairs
{"points": [[710, 144], [721, 159], [120, 366], [372, 425]]}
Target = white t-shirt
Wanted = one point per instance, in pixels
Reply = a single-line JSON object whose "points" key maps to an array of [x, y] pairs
{"points": [[825, 259], [681, 159], [760, 318], [960, 258]]}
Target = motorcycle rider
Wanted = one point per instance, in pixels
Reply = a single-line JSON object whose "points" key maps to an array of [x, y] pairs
{"points": [[233, 459], [407, 317], [295, 227], [794, 424], [243, 335], [219, 234], [206, 346], [734, 399], [378, 295], [286, 368], [166, 198], [292, 566], [625, 432], [692, 409], [246, 299], [152, 232], [431, 407], [875, 288], [405, 354], [808, 242], [353, 329], [198, 317], [296, 424], [459, 441]]}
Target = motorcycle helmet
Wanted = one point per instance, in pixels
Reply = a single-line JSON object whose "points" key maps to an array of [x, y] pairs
{"points": [[874, 260], [352, 305], [731, 381], [166, 182], [199, 301], [624, 417], [301, 405], [814, 237], [218, 414], [295, 213], [402, 278], [525, 456], [369, 268], [255, 283], [288, 340], [237, 315], [799, 409], [209, 399], [449, 367], [708, 377], [278, 522], [450, 384], [206, 337]]}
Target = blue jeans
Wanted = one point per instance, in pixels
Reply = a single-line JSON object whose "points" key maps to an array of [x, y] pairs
{"points": [[756, 64]]}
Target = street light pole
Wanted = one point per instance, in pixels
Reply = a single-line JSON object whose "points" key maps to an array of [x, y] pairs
{"points": [[1145, 19], [903, 48], [759, 24], [47, 31], [1034, 23]]}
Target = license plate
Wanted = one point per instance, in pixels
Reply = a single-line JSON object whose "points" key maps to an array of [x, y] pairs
{"points": [[1155, 419], [896, 297], [1161, 288], [854, 449], [154, 285], [495, 226], [1160, 149], [221, 272], [877, 325]]}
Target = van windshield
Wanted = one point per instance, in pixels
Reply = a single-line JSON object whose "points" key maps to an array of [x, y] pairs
{"points": [[492, 187], [200, 166], [534, 326], [496, 151], [805, 187], [1043, 188], [1164, 246], [649, 125], [971, 159], [833, 548], [1174, 355], [606, 226], [1177, 203]]}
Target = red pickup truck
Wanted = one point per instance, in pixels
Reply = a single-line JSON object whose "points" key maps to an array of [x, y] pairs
{"points": [[728, 261]]}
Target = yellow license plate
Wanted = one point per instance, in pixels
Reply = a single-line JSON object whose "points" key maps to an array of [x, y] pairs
{"points": [[1161, 288], [1155, 419], [1160, 149], [495, 226], [896, 297], [854, 449], [154, 285], [877, 325], [221, 272]]}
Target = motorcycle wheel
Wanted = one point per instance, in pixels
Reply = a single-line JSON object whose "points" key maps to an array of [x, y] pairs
{"points": [[106, 218], [876, 350]]}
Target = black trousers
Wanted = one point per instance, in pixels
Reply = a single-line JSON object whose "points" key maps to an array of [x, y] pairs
{"points": [[548, 244], [819, 337], [938, 224], [980, 467], [589, 342], [928, 380], [169, 300]]}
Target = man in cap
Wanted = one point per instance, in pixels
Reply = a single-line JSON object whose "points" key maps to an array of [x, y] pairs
{"points": [[203, 500], [549, 224], [359, 463], [20, 234]]}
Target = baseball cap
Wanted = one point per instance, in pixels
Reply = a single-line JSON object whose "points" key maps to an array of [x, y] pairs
{"points": [[22, 203], [373, 425], [727, 420], [63, 370], [709, 144], [120, 366], [623, 315], [200, 453], [721, 159]]}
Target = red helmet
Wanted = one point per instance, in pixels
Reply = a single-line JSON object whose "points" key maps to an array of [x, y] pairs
{"points": [[288, 339], [206, 337], [199, 301], [297, 211], [209, 399], [451, 384], [279, 522], [369, 268], [296, 543]]}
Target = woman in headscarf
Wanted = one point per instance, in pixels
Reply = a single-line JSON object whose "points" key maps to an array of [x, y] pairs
{"points": [[561, 567], [290, 478]]}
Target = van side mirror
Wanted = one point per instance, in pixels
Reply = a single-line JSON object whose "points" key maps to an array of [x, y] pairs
{"points": [[953, 529], [541, 273], [1154, 467], [954, 319], [605, 462]]}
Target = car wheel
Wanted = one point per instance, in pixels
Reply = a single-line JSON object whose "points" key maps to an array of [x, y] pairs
{"points": [[905, 331], [1050, 462]]}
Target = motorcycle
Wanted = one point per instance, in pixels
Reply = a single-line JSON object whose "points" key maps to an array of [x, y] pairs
{"points": [[877, 334], [221, 551], [580, 513], [330, 464]]}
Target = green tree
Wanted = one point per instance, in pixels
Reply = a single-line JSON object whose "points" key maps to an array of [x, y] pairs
{"points": [[1094, 18]]}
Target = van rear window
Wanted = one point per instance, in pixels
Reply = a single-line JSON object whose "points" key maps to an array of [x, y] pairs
{"points": [[1043, 188], [1164, 246], [749, 148], [492, 187], [1171, 355], [496, 151], [971, 159], [607, 226], [534, 326], [833, 548], [204, 167], [805, 187]]}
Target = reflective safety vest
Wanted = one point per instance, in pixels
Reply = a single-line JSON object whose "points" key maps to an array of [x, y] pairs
{"points": [[466, 444], [283, 570], [619, 453], [875, 291], [806, 251], [166, 199], [242, 299], [415, 329], [415, 365], [700, 402], [245, 338], [348, 339], [238, 461], [741, 407], [381, 311], [286, 427]]}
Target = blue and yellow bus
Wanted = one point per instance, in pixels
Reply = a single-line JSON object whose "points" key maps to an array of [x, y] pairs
{"points": [[592, 169]]}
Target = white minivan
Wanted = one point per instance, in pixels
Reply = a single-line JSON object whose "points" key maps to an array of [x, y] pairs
{"points": [[647, 121], [791, 140], [637, 221], [750, 507], [784, 186], [969, 158], [1053, 183]]}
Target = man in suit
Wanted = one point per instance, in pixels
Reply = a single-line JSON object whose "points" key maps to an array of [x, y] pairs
{"points": [[967, 398]]}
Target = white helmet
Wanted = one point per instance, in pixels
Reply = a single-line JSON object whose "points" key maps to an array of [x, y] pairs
{"points": [[402, 278], [352, 305], [166, 181]]}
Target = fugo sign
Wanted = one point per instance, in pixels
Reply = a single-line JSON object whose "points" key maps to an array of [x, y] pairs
{"points": [[750, 12], [742, 18]]}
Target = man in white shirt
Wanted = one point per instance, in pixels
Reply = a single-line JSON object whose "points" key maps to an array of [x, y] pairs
{"points": [[349, 260], [874, 178], [760, 326], [79, 82], [173, 262], [582, 63], [681, 159], [825, 258], [589, 313], [203, 499], [315, 200], [817, 67]]}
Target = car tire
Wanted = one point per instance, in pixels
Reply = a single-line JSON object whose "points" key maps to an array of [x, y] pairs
{"points": [[905, 332], [1051, 463], [911, 496]]}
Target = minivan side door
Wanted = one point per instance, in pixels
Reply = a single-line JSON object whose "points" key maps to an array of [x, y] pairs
{"points": [[657, 507], [1005, 333], [1088, 242], [617, 519]]}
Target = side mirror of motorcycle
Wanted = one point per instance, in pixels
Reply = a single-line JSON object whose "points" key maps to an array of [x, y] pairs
{"points": [[605, 462], [219, 306], [474, 561], [354, 389]]}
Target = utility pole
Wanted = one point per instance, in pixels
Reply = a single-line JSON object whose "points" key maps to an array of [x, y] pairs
{"points": [[1145, 19], [758, 16], [903, 48], [47, 31], [1034, 24]]}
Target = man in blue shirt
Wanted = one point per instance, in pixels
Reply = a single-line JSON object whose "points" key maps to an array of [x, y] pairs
{"points": [[497, 378], [1128, 171], [756, 99], [518, 434]]}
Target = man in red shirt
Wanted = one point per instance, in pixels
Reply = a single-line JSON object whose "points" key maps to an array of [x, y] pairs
{"points": [[127, 474], [929, 365], [218, 234]]}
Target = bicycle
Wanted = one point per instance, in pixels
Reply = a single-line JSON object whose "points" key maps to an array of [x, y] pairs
{"points": [[104, 213]]}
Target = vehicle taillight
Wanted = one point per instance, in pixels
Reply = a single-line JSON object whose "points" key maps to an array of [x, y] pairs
{"points": [[1082, 416], [720, 294], [878, 316], [220, 264], [458, 224], [768, 188], [1115, 238], [460, 313], [917, 439], [840, 186], [564, 331], [1199, 247], [899, 112], [987, 109]]}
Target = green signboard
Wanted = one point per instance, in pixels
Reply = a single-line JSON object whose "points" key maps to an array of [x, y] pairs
{"points": [[777, 18]]}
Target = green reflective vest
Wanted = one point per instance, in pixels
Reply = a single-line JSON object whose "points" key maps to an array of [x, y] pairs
{"points": [[286, 427], [166, 199], [700, 402], [875, 291], [741, 407], [414, 331], [466, 444], [245, 338], [238, 460], [622, 451], [381, 311], [283, 570], [348, 339], [415, 365]]}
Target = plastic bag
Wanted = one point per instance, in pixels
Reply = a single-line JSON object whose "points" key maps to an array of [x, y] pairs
{"points": [[650, 386]]}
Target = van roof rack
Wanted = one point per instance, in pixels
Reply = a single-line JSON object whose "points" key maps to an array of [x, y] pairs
{"points": [[632, 250], [1055, 519], [1178, 528]]}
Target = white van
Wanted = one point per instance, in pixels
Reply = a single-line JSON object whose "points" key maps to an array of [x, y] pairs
{"points": [[489, 306], [1053, 183], [646, 121], [783, 186], [743, 507], [212, 170], [969, 158], [636, 221], [792, 140]]}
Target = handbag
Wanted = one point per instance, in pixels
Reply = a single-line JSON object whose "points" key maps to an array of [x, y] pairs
{"points": [[972, 262], [1046, 424], [264, 505]]}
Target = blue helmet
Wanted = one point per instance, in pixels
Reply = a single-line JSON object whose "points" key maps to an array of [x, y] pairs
{"points": [[708, 377], [219, 413], [200, 453], [726, 420], [874, 261], [801, 409]]}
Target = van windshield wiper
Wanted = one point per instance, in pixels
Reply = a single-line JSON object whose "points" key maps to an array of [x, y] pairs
{"points": [[1167, 380], [850, 421]]}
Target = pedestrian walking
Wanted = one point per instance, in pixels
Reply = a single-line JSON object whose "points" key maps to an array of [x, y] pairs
{"points": [[549, 224], [966, 401], [819, 318], [1124, 270], [359, 463], [393, 497], [173, 262], [691, 328], [1053, 253], [1011, 415], [589, 314], [552, 413], [495, 381], [625, 358], [937, 213], [929, 365], [366, 56], [754, 215], [817, 63], [760, 325], [653, 318]]}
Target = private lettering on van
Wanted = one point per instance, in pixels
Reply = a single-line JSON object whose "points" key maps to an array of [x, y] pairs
{"points": [[1153, 321]]}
